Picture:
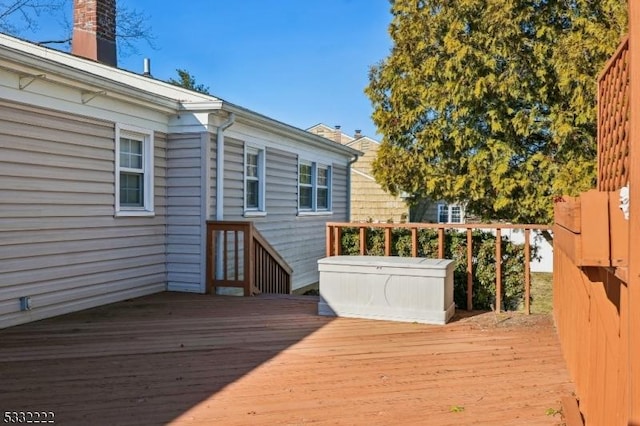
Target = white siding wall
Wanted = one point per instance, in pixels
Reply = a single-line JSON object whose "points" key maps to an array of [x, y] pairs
{"points": [[185, 229], [299, 239], [60, 243]]}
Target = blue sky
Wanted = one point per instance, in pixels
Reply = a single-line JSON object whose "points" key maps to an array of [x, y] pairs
{"points": [[298, 61]]}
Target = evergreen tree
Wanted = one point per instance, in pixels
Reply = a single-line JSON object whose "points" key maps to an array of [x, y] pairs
{"points": [[492, 102], [188, 81]]}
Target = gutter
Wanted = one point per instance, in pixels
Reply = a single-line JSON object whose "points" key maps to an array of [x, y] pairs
{"points": [[353, 160], [274, 126], [220, 187], [220, 165]]}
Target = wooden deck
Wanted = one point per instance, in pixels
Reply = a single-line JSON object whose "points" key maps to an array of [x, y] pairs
{"points": [[193, 359]]}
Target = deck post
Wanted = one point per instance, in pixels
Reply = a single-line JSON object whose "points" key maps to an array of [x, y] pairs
{"points": [[469, 270], [634, 212], [527, 272], [363, 240], [414, 242], [337, 241], [387, 241], [210, 259], [498, 269], [249, 260], [440, 243]]}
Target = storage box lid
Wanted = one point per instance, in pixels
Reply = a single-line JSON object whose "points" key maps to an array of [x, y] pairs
{"points": [[387, 261]]}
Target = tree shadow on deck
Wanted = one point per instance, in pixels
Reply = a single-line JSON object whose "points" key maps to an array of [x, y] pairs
{"points": [[146, 360]]}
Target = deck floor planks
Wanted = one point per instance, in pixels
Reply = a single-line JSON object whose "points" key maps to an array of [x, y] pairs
{"points": [[194, 359]]}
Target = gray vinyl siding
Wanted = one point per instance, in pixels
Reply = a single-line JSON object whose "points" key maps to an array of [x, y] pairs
{"points": [[233, 179], [185, 247], [60, 243], [299, 239]]}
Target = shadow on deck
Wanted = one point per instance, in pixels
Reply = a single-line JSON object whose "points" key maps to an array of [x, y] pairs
{"points": [[195, 359]]}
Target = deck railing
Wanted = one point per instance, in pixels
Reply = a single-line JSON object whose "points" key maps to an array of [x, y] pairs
{"points": [[334, 247], [239, 256]]}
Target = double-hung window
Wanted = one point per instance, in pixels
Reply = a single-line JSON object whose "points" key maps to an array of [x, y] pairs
{"points": [[314, 187], [449, 213], [254, 181], [134, 172], [322, 191], [305, 186]]}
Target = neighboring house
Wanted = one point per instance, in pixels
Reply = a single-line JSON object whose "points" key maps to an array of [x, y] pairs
{"points": [[437, 212], [369, 202], [107, 179]]}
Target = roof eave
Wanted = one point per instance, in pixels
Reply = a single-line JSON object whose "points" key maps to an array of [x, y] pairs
{"points": [[283, 128]]}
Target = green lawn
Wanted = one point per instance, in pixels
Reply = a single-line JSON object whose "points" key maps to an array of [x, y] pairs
{"points": [[541, 292]]}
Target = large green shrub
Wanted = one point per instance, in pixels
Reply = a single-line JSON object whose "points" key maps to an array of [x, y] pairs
{"points": [[484, 263]]}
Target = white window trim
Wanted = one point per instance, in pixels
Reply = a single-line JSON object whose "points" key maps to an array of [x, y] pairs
{"points": [[147, 209], [315, 213], [314, 210], [260, 211], [311, 185], [449, 208], [328, 186]]}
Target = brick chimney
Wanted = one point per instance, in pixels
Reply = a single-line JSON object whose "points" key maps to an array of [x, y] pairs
{"points": [[337, 134], [358, 134], [94, 30]]}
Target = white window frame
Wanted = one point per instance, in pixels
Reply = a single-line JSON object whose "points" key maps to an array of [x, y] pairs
{"points": [[315, 210], [449, 212], [146, 137], [327, 186], [260, 210]]}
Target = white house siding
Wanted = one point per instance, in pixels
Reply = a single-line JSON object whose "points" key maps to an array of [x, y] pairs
{"points": [[60, 243], [300, 240], [185, 227]]}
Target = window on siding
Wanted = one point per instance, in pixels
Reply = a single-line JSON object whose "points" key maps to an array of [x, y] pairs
{"points": [[322, 192], [134, 172], [305, 186], [254, 181], [449, 213], [314, 187]]}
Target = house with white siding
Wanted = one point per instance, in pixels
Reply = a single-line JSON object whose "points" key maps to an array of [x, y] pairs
{"points": [[108, 180]]}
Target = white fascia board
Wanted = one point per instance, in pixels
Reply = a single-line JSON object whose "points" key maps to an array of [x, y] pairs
{"points": [[33, 60], [46, 94], [304, 140], [367, 138], [322, 125]]}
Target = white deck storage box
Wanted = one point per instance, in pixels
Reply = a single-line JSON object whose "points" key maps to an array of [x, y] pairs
{"points": [[389, 288]]}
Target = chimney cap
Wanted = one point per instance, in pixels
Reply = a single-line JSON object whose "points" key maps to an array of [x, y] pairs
{"points": [[337, 127]]}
